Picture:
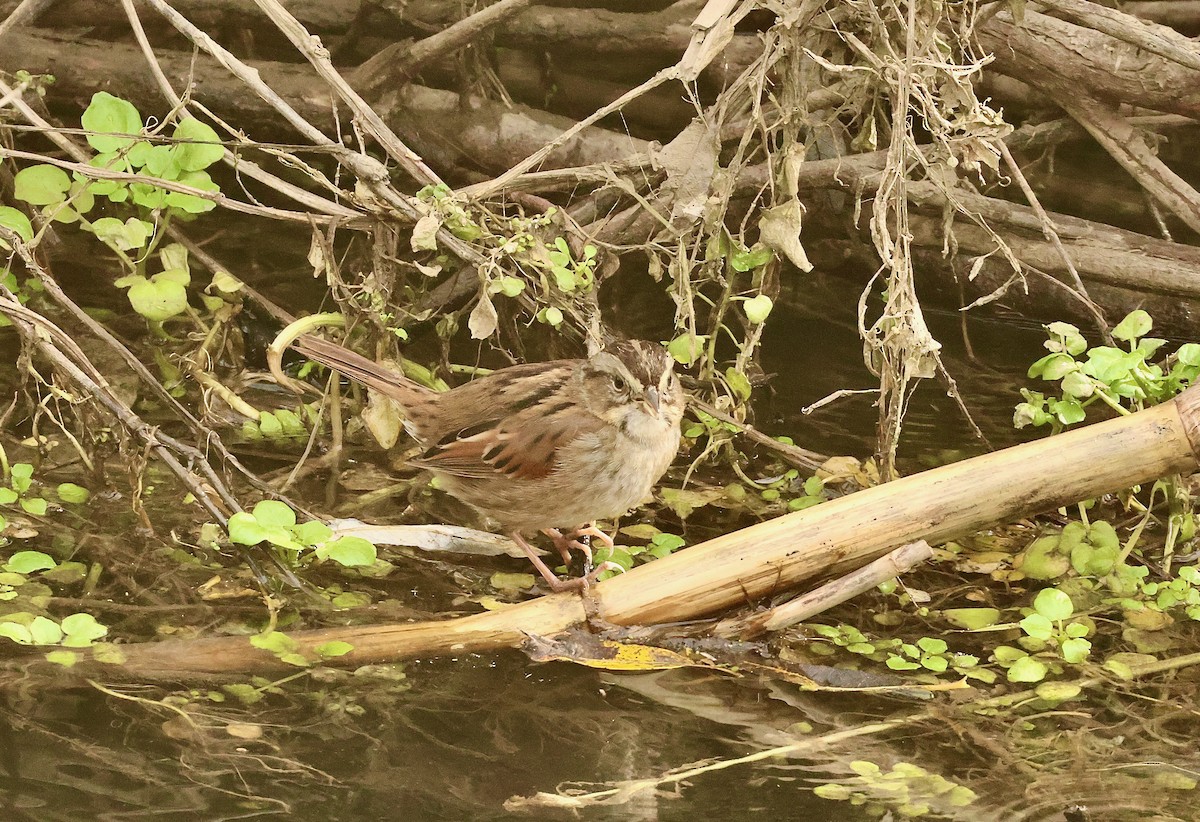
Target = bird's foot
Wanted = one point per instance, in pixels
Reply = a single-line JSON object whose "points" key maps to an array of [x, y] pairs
{"points": [[557, 583], [578, 539]]}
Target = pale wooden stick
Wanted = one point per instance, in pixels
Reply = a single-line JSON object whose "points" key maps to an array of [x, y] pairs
{"points": [[832, 593]]}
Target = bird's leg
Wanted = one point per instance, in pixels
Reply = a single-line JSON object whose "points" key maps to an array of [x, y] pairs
{"points": [[551, 578], [590, 530], [575, 539], [564, 546]]}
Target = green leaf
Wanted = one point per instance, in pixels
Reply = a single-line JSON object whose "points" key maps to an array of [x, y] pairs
{"points": [[273, 512], [832, 791], [127, 236], [1027, 669], [7, 496], [312, 532], [931, 645], [1075, 650], [1136, 324], [16, 632], [81, 630], [147, 196], [27, 562], [17, 222], [973, 619], [34, 505], [157, 301], [22, 475], [41, 185], [937, 664], [1058, 691], [45, 631], [244, 529], [738, 383], [191, 203], [276, 642], [160, 162], [72, 493], [1188, 353], [349, 551], [686, 348], [745, 259], [332, 649], [509, 286], [1078, 384], [1053, 604], [205, 148], [1037, 626], [64, 658], [758, 308], [107, 116]]}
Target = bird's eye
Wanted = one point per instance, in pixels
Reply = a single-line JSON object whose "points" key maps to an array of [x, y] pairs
{"points": [[619, 383]]}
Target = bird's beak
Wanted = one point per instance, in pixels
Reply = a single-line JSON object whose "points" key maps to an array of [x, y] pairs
{"points": [[653, 399]]}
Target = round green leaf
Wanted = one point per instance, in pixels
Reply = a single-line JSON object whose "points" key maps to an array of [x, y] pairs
{"points": [[1075, 650], [273, 512], [205, 148], [41, 185], [191, 203], [245, 530], [1027, 669], [1136, 324], [16, 632], [72, 493], [335, 648], [1053, 604], [738, 383], [27, 562], [160, 161], [45, 631], [17, 222], [832, 791], [1189, 354], [81, 630], [108, 116], [34, 505], [931, 645], [349, 551], [158, 301], [1037, 626], [758, 308], [312, 532], [686, 348], [64, 658], [973, 619]]}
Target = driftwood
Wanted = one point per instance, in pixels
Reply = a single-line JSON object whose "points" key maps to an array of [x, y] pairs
{"points": [[755, 562]]}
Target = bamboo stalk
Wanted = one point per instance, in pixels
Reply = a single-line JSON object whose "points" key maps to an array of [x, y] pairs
{"points": [[754, 562]]}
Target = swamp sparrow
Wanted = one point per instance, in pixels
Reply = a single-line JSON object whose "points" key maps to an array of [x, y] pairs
{"points": [[542, 446]]}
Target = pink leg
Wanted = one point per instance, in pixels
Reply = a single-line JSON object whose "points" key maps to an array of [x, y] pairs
{"points": [[556, 584], [551, 578]]}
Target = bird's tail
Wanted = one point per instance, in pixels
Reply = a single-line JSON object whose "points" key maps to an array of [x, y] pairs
{"points": [[360, 369]]}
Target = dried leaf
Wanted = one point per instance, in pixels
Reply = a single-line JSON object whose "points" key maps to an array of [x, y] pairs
{"points": [[424, 236], [779, 229], [483, 320]]}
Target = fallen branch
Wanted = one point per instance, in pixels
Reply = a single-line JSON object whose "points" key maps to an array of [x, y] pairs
{"points": [[762, 559], [903, 559]]}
